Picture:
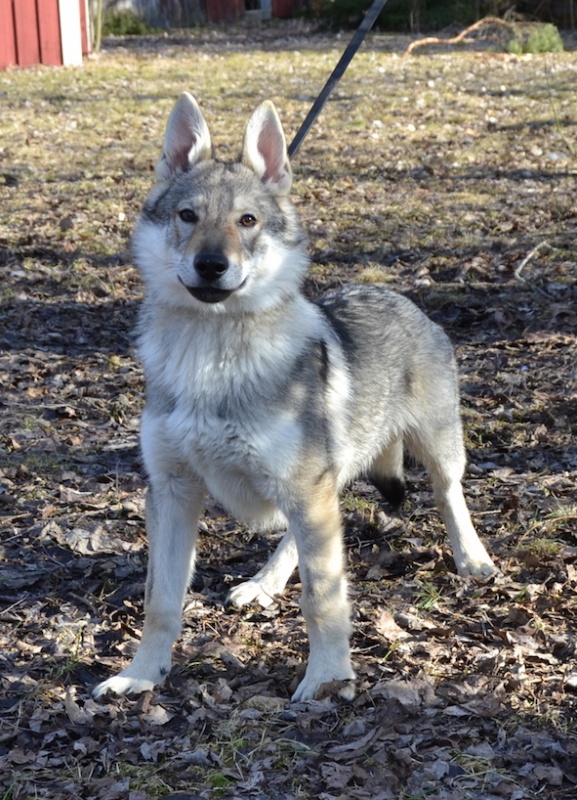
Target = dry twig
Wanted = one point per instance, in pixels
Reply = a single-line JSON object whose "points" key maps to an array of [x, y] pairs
{"points": [[523, 264], [528, 258], [461, 37]]}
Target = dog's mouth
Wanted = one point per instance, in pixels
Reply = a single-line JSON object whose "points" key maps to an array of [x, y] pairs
{"points": [[210, 294]]}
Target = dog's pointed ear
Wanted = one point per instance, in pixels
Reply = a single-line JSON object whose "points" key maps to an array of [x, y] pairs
{"points": [[186, 141], [264, 149]]}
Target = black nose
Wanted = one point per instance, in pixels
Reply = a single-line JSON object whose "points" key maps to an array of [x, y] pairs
{"points": [[210, 266]]}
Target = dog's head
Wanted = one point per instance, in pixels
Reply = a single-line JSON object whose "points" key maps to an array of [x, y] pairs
{"points": [[221, 237]]}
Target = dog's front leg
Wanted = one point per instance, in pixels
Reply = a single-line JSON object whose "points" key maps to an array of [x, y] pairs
{"points": [[172, 507], [324, 603]]}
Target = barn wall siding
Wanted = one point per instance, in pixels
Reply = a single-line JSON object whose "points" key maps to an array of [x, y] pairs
{"points": [[50, 32], [7, 35]]}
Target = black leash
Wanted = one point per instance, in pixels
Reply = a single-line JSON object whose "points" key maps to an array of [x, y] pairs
{"points": [[338, 72]]}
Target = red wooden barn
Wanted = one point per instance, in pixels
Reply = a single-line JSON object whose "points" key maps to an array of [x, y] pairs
{"points": [[50, 32]]}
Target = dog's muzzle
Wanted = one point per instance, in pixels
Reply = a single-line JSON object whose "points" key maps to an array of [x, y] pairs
{"points": [[210, 267]]}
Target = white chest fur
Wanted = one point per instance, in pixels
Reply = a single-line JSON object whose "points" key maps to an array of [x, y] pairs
{"points": [[219, 405]]}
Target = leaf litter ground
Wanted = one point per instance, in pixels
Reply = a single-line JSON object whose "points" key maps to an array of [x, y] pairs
{"points": [[452, 177]]}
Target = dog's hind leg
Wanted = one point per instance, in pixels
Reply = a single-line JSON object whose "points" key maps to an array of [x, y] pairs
{"points": [[324, 602], [271, 579], [441, 450], [386, 473], [172, 508]]}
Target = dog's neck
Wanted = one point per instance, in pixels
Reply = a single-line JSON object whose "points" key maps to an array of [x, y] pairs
{"points": [[187, 351]]}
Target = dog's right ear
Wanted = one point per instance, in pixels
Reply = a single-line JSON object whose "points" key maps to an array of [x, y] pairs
{"points": [[186, 141]]}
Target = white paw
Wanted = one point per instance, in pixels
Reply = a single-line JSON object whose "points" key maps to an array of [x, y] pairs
{"points": [[481, 567], [251, 591], [126, 684], [312, 683], [309, 690]]}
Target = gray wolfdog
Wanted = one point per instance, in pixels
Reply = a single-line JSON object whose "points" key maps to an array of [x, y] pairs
{"points": [[269, 401]]}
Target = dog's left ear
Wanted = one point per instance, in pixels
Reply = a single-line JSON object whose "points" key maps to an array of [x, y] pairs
{"points": [[264, 149]]}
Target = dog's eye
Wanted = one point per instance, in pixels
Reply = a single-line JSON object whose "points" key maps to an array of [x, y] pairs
{"points": [[188, 215], [248, 220]]}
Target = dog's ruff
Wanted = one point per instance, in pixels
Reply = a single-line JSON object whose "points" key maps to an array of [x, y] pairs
{"points": [[271, 402]]}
